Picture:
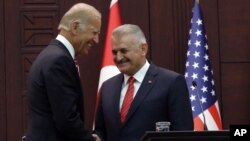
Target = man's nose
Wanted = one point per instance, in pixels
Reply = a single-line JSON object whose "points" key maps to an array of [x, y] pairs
{"points": [[119, 56]]}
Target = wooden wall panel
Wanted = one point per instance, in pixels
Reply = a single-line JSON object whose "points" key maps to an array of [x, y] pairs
{"points": [[161, 33], [169, 26], [136, 12], [234, 30], [13, 69], [2, 77], [182, 14], [26, 2], [234, 60], [235, 88], [38, 27], [27, 60], [37, 22]]}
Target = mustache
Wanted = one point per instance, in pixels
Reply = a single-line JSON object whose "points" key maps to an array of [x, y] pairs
{"points": [[123, 60]]}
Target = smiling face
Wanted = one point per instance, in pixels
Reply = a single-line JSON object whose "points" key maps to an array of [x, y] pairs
{"points": [[129, 55], [81, 25], [87, 36]]}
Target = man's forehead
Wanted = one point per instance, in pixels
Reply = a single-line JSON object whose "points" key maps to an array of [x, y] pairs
{"points": [[94, 29]]}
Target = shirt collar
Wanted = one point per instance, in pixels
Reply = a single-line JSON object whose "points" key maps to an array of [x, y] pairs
{"points": [[67, 44], [139, 75]]}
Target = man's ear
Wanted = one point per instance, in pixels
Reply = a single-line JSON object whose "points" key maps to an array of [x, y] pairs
{"points": [[74, 27], [144, 47]]}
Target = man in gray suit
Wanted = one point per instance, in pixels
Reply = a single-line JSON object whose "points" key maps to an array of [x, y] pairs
{"points": [[55, 97], [157, 95]]}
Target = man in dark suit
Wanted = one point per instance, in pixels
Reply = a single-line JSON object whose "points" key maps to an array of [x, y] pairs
{"points": [[55, 97], [158, 94]]}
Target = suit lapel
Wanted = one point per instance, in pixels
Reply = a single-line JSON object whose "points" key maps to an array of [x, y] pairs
{"points": [[66, 51], [147, 84], [116, 93]]}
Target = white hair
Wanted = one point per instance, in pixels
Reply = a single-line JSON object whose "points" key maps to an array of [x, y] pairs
{"points": [[131, 30]]}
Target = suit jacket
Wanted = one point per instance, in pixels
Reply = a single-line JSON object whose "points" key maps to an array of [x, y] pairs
{"points": [[162, 96], [55, 97]]}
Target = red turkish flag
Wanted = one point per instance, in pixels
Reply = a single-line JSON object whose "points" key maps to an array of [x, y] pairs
{"points": [[109, 69]]}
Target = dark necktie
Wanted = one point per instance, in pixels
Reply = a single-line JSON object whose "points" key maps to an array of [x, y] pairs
{"points": [[128, 99]]}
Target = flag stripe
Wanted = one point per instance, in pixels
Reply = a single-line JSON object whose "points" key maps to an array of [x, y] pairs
{"points": [[210, 122], [198, 123], [212, 119], [214, 110], [106, 73]]}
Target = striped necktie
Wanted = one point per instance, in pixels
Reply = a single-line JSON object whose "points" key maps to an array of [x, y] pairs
{"points": [[128, 99]]}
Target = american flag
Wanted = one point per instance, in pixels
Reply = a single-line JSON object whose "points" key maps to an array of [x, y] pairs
{"points": [[199, 77]]}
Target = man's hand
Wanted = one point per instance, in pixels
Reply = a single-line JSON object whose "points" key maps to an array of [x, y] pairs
{"points": [[96, 137]]}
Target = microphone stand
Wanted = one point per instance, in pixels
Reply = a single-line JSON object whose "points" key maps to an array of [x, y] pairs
{"points": [[203, 115]]}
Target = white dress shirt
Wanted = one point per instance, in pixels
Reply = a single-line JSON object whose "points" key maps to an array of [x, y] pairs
{"points": [[67, 44], [139, 76]]}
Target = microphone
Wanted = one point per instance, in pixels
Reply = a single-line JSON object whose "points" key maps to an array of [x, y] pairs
{"points": [[203, 115]]}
